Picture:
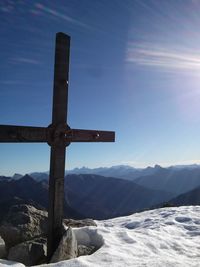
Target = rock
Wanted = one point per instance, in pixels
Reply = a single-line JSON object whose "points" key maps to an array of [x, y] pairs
{"points": [[23, 223], [79, 223], [5, 263], [85, 250], [67, 248], [30, 252], [88, 240], [2, 248]]}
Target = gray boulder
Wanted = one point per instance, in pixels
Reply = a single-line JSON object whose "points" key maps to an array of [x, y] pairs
{"points": [[6, 263], [67, 248], [30, 252], [2, 248], [85, 250], [23, 223], [79, 223]]}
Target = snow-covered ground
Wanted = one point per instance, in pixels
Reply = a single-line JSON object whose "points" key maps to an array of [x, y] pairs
{"points": [[167, 237]]}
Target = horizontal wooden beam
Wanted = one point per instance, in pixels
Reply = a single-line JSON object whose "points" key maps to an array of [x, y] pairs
{"points": [[22, 134], [79, 135]]}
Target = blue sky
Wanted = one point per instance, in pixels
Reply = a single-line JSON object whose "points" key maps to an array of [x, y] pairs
{"points": [[134, 69]]}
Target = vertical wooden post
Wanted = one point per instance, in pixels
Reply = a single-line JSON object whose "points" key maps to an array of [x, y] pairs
{"points": [[57, 161]]}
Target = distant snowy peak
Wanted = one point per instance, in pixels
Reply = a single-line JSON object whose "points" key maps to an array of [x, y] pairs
{"points": [[158, 167], [191, 166], [17, 176], [119, 171]]}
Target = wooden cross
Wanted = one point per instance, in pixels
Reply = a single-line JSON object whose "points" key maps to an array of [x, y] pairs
{"points": [[58, 135]]}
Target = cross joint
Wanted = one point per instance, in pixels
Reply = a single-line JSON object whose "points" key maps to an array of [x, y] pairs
{"points": [[57, 133]]}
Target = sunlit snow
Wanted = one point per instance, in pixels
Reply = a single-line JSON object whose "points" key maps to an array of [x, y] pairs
{"points": [[165, 237]]}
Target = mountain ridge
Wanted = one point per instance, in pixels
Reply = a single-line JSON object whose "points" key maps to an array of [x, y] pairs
{"points": [[123, 196], [93, 196]]}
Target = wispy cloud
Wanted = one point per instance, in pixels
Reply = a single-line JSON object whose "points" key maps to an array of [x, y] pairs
{"points": [[163, 57], [15, 82], [25, 60], [60, 15], [23, 82]]}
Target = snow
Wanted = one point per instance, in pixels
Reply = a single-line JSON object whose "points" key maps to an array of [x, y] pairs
{"points": [[167, 237]]}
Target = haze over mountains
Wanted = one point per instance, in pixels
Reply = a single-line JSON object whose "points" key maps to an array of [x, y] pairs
{"points": [[190, 198], [101, 197], [118, 171], [174, 179]]}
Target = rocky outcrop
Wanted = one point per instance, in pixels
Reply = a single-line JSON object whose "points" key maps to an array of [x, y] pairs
{"points": [[23, 223], [22, 191], [67, 248], [29, 252], [24, 231]]}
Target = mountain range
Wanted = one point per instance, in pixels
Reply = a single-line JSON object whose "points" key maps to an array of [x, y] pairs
{"points": [[175, 179], [102, 197], [128, 172], [87, 195]]}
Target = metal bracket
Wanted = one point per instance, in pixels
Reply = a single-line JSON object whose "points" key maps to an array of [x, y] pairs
{"points": [[56, 135]]}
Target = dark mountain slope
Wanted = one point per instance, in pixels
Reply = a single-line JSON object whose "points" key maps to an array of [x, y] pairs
{"points": [[189, 198], [27, 191], [101, 197]]}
